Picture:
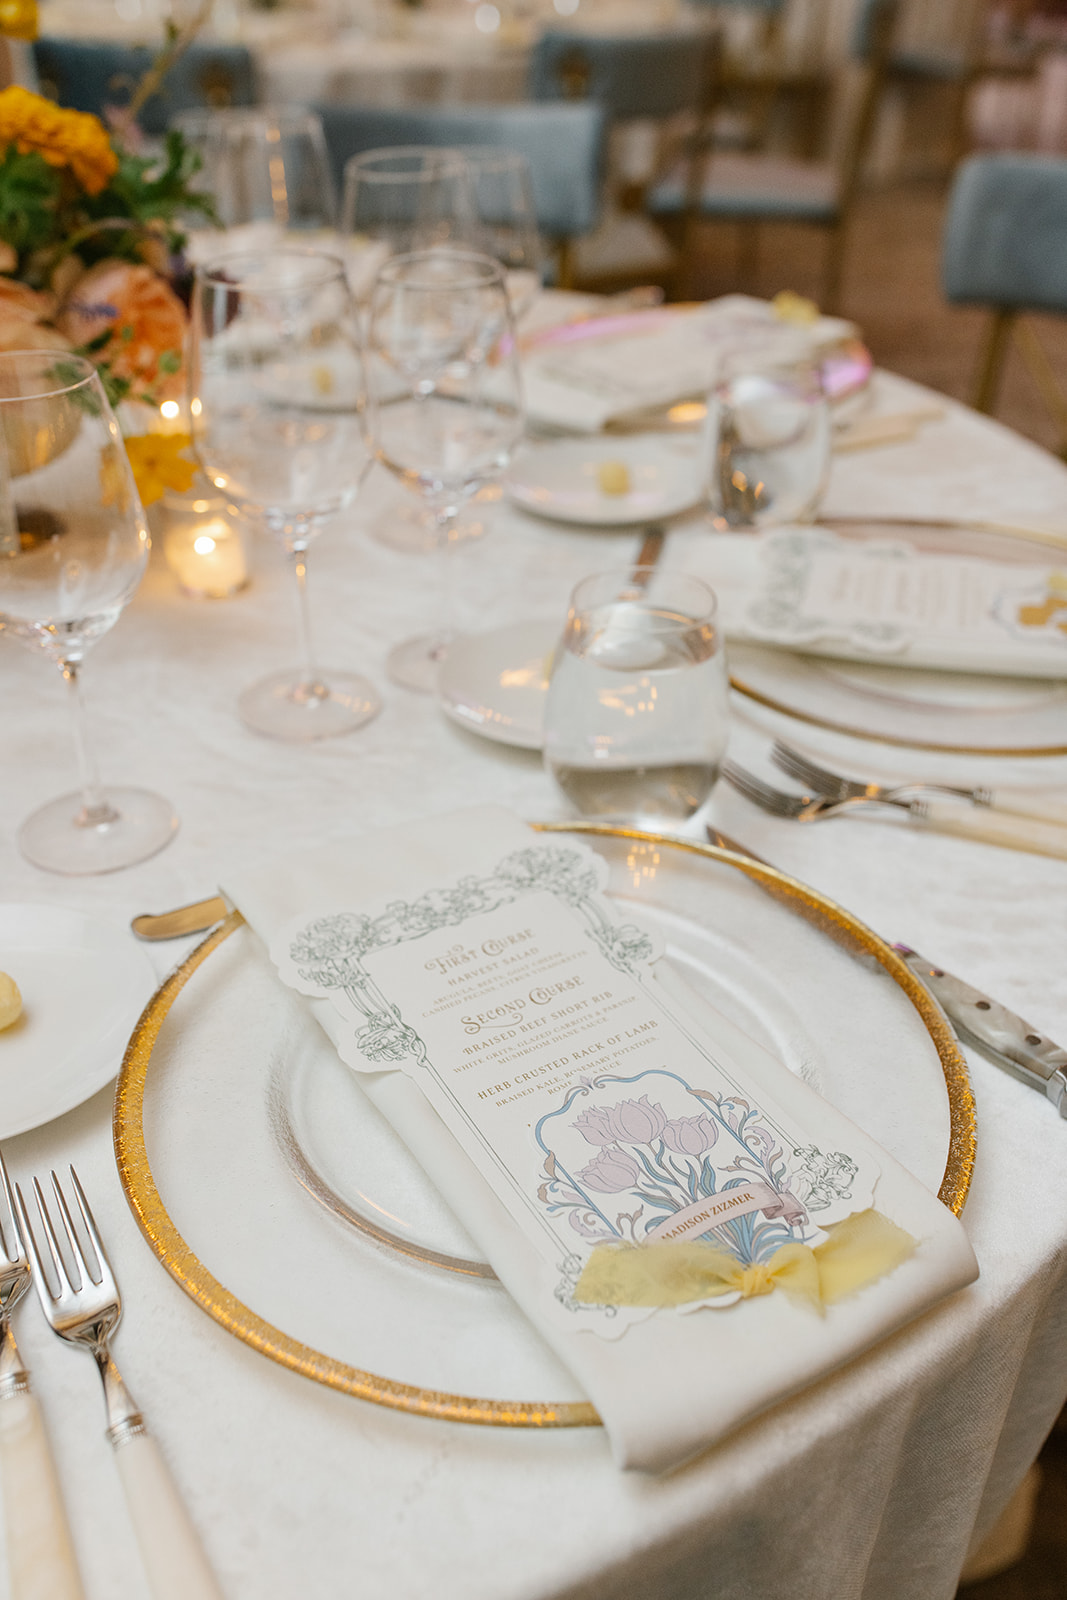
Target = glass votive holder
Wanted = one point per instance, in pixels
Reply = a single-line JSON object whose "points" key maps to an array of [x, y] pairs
{"points": [[637, 706], [768, 439], [205, 548]]}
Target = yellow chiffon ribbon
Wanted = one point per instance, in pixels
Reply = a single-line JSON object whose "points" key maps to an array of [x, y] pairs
{"points": [[858, 1251]]}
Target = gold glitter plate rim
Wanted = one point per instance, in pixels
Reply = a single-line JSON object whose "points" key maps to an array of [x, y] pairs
{"points": [[223, 1307]]}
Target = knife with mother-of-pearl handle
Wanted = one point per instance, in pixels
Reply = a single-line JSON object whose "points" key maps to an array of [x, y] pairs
{"points": [[1006, 1038]]}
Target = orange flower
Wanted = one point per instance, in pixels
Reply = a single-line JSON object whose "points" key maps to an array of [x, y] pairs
{"points": [[74, 139], [22, 314], [146, 321], [158, 464]]}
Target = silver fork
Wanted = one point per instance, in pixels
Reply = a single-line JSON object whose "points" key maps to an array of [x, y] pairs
{"points": [[87, 1312], [799, 807], [834, 786], [39, 1550]]}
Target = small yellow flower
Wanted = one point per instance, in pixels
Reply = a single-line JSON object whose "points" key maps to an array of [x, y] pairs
{"points": [[158, 464], [74, 139], [792, 307], [18, 19]]}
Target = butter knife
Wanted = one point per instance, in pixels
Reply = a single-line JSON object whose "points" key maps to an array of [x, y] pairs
{"points": [[1002, 1035], [1007, 1039]]}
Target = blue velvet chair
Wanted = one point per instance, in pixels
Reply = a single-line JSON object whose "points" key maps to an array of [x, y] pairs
{"points": [[564, 145], [1005, 247], [632, 75], [751, 188], [89, 77]]}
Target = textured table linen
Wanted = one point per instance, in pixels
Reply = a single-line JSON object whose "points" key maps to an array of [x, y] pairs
{"points": [[869, 1486]]}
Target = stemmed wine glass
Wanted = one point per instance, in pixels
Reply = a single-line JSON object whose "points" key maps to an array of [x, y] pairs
{"points": [[275, 402], [444, 400], [507, 221], [407, 198], [73, 546], [263, 164]]}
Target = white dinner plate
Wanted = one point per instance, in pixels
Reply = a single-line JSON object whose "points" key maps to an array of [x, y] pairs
{"points": [[495, 683], [559, 481], [261, 1154], [84, 984]]}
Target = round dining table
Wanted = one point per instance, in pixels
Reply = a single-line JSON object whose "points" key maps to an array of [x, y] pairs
{"points": [[871, 1485]]}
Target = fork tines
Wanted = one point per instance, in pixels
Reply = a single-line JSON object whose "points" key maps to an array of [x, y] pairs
{"points": [[85, 1274], [10, 1234]]}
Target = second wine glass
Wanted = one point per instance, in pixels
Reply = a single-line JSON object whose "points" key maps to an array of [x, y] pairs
{"points": [[444, 401], [276, 392]]}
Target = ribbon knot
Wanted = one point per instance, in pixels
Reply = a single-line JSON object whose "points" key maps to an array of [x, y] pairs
{"points": [[857, 1251]]}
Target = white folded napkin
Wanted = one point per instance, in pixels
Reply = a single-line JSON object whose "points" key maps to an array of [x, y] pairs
{"points": [[672, 1383], [585, 375], [884, 601]]}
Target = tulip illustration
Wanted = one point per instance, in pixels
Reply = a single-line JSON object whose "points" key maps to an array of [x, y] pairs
{"points": [[689, 1136], [610, 1172], [637, 1121], [595, 1126]]}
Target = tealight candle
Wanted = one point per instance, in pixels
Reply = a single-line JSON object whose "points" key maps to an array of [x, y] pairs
{"points": [[206, 555]]}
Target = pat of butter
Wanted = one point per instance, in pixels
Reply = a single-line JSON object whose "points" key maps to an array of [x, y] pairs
{"points": [[10, 1001], [613, 477]]}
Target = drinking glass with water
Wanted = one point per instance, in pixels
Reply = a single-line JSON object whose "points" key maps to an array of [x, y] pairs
{"points": [[636, 717], [769, 445]]}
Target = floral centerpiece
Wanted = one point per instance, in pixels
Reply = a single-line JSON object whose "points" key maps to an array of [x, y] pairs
{"points": [[90, 259]]}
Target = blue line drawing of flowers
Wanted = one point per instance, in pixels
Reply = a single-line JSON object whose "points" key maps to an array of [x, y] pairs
{"points": [[664, 1164]]}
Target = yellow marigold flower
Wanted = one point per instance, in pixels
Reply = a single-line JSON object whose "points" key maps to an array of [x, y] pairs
{"points": [[74, 139], [18, 19], [158, 464]]}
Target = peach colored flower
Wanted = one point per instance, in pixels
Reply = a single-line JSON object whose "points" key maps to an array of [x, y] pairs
{"points": [[146, 321], [18, 303]]}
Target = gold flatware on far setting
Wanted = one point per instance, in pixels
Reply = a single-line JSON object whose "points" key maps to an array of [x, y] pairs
{"points": [[194, 918]]}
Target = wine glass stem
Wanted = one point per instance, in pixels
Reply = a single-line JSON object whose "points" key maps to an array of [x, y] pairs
{"points": [[298, 555], [95, 810], [446, 544]]}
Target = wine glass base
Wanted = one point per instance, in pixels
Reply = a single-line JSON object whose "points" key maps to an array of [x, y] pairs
{"points": [[129, 826], [414, 530], [287, 706], [416, 663]]}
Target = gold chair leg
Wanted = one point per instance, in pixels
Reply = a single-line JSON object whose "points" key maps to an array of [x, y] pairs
{"points": [[565, 264], [991, 361], [1045, 379], [833, 265], [748, 255]]}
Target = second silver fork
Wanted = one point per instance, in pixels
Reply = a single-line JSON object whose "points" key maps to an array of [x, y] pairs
{"points": [[87, 1313], [834, 786], [40, 1554]]}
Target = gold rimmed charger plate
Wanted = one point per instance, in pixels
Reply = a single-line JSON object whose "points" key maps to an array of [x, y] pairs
{"points": [[231, 1313]]}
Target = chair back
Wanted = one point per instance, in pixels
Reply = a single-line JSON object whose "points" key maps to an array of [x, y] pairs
{"points": [[1005, 237], [632, 75], [90, 77], [564, 145]]}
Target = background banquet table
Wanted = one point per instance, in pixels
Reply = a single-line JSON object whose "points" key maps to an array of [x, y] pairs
{"points": [[866, 1487]]}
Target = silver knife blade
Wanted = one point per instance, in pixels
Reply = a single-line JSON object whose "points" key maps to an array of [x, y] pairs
{"points": [[1008, 1040]]}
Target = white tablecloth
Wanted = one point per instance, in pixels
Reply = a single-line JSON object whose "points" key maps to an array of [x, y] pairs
{"points": [[868, 1487]]}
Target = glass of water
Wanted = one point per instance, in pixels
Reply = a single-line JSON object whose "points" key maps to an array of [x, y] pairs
{"points": [[636, 716], [769, 445]]}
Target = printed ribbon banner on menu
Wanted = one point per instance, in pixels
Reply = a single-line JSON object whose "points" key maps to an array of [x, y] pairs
{"points": [[600, 1113]]}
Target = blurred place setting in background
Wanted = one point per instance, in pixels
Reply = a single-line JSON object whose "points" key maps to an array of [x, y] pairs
{"points": [[575, 717]]}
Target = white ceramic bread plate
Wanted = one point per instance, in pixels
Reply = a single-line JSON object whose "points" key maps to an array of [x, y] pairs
{"points": [[562, 481], [84, 983]]}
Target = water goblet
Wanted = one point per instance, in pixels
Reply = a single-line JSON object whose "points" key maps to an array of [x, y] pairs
{"points": [[444, 401], [73, 546], [768, 432], [636, 713], [275, 402], [507, 221]]}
